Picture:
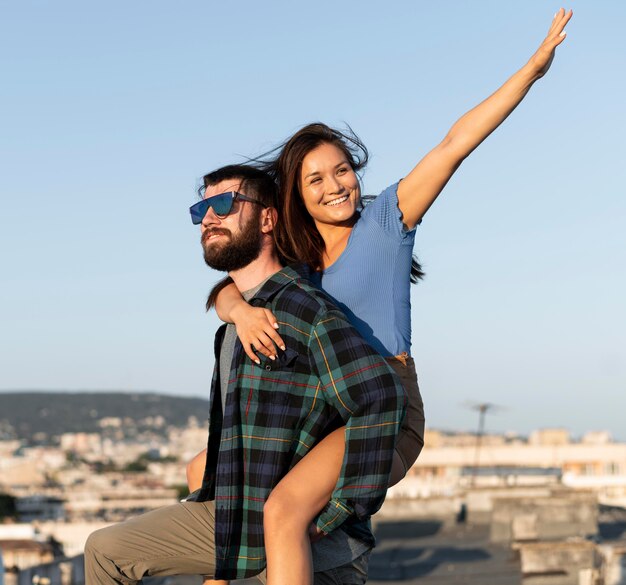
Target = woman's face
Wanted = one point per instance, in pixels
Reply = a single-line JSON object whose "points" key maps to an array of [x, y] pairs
{"points": [[329, 187]]}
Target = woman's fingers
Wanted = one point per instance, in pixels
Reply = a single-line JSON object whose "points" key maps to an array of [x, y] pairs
{"points": [[558, 34], [270, 318], [271, 332], [544, 55], [258, 335], [266, 346], [566, 19], [560, 21], [315, 533], [259, 342], [249, 349], [555, 21]]}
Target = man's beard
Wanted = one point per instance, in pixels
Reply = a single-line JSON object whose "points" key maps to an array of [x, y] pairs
{"points": [[234, 252]]}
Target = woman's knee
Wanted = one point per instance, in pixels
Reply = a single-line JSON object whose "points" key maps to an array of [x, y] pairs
{"points": [[274, 509], [283, 512], [306, 489]]}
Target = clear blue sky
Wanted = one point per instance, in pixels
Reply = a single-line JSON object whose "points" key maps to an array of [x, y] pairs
{"points": [[111, 112]]}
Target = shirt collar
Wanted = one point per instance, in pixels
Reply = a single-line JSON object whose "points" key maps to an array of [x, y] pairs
{"points": [[280, 280]]}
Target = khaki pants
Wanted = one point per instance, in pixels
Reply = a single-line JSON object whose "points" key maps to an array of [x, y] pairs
{"points": [[175, 540]]}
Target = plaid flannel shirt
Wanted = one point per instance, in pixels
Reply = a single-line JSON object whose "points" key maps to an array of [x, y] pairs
{"points": [[275, 412]]}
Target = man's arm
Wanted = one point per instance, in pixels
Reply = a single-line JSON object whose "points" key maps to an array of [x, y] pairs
{"points": [[370, 399]]}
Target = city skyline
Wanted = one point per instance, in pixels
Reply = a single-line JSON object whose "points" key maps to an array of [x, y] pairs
{"points": [[113, 113]]}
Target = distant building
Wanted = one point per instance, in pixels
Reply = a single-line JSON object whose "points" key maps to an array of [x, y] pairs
{"points": [[115, 503], [110, 422], [446, 465], [17, 471], [597, 438], [40, 508], [435, 438], [21, 554], [509, 476], [82, 443], [549, 437]]}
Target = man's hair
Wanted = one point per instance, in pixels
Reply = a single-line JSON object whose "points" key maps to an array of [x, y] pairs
{"points": [[254, 181]]}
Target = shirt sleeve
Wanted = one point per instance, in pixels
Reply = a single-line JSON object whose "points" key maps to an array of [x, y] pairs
{"points": [[384, 210], [360, 385]]}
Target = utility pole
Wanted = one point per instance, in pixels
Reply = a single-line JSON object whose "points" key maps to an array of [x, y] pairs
{"points": [[482, 409]]}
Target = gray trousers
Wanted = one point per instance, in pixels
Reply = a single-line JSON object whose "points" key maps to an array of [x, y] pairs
{"points": [[175, 540]]}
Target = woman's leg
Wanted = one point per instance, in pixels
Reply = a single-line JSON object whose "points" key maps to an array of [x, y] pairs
{"points": [[398, 469], [411, 435], [306, 489], [195, 473], [291, 507]]}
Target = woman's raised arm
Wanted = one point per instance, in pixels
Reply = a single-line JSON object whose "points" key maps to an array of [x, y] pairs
{"points": [[418, 191], [256, 326]]}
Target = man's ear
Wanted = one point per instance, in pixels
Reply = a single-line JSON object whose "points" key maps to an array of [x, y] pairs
{"points": [[268, 220]]}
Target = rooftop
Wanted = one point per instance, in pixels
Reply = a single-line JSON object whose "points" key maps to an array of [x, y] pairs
{"points": [[427, 553]]}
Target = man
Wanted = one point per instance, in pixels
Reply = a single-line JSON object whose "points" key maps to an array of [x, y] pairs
{"points": [[266, 416]]}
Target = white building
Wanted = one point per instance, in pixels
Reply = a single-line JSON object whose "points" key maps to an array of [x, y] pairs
{"points": [[594, 463]]}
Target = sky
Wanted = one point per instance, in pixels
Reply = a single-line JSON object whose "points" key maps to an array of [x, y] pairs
{"points": [[111, 112]]}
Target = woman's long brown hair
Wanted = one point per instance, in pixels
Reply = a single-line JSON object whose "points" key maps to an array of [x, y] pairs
{"points": [[297, 237]]}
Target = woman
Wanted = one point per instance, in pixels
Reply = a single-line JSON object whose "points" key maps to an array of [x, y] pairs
{"points": [[363, 260]]}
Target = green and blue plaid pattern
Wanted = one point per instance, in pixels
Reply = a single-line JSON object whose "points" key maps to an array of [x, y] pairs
{"points": [[277, 411]]}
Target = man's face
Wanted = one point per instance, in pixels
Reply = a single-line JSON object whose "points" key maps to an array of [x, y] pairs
{"points": [[231, 242]]}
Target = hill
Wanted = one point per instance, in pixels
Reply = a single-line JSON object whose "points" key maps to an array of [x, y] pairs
{"points": [[25, 415]]}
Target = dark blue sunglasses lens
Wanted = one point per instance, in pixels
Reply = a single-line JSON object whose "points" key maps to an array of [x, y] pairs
{"points": [[221, 204]]}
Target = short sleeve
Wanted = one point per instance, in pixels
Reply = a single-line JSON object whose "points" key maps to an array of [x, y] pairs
{"points": [[384, 210]]}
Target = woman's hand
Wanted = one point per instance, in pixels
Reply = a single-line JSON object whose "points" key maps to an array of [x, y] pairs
{"points": [[315, 533], [256, 328], [542, 59], [419, 189]]}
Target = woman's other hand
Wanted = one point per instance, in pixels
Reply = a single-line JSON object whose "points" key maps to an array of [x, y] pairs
{"points": [[256, 328], [420, 188], [315, 533], [542, 59]]}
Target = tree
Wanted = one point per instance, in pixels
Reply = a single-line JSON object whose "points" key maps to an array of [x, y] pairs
{"points": [[7, 507]]}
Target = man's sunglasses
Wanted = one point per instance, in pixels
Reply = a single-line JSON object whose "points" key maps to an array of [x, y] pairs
{"points": [[222, 205]]}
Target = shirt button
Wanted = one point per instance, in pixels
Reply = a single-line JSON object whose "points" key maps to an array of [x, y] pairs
{"points": [[268, 367]]}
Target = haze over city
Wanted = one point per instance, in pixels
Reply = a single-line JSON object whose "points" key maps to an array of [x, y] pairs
{"points": [[112, 113]]}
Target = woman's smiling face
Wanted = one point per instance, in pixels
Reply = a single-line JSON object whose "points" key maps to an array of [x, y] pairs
{"points": [[329, 186]]}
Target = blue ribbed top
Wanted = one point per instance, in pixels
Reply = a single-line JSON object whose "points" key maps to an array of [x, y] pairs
{"points": [[370, 280]]}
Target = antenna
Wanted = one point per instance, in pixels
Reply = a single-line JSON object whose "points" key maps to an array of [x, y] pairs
{"points": [[482, 409]]}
